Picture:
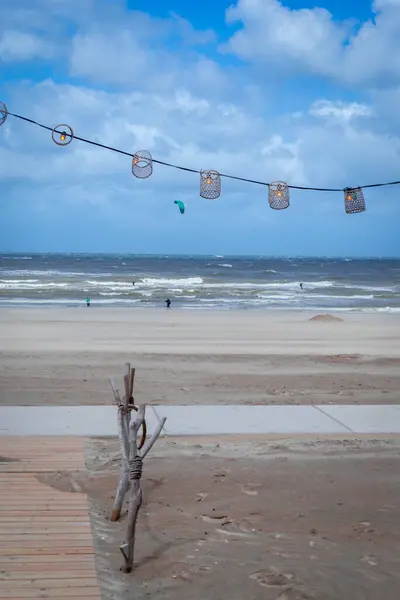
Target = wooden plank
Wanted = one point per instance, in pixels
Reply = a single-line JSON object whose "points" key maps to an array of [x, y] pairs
{"points": [[49, 542], [55, 558], [41, 512], [46, 538], [46, 543], [19, 570], [45, 597], [60, 594], [47, 583], [43, 574], [48, 507], [29, 529], [37, 520], [35, 498], [18, 551]]}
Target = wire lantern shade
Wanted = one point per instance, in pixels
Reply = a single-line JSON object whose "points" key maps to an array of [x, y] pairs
{"points": [[142, 164], [354, 201], [62, 135], [278, 195], [210, 185], [3, 113]]}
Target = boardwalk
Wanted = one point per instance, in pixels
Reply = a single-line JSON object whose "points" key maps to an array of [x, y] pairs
{"points": [[46, 546]]}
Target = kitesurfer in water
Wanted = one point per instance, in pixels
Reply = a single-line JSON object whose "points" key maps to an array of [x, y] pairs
{"points": [[301, 286], [168, 303]]}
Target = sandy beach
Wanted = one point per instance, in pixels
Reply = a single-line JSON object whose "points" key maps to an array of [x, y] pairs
{"points": [[65, 356], [274, 517], [268, 518]]}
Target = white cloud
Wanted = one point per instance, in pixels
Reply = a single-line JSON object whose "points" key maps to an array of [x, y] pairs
{"points": [[312, 41], [21, 46], [339, 112]]}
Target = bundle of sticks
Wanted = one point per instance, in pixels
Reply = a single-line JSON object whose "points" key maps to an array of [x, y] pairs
{"points": [[133, 452]]}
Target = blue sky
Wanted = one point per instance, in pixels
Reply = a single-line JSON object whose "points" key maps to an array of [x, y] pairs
{"points": [[265, 89]]}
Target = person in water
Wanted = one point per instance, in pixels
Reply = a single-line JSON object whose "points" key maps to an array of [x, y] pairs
{"points": [[133, 283], [301, 286], [168, 303], [88, 301]]}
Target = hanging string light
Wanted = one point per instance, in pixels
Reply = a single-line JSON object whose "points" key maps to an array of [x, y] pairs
{"points": [[210, 185], [62, 135], [210, 180], [354, 201], [142, 164], [3, 113], [278, 195]]}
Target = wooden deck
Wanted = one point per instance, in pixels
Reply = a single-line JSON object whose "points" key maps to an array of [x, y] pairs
{"points": [[46, 545]]}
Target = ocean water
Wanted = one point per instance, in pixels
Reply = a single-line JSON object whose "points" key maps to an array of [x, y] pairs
{"points": [[192, 282]]}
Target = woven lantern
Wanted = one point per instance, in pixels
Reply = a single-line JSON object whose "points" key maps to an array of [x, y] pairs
{"points": [[354, 201], [142, 164], [62, 135], [278, 195], [3, 113], [210, 184]]}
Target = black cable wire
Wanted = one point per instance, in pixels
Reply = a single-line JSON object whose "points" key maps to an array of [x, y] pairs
{"points": [[179, 167]]}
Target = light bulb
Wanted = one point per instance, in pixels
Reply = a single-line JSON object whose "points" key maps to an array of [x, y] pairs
{"points": [[279, 193], [208, 180]]}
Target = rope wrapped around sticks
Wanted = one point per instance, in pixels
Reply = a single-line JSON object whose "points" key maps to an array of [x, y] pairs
{"points": [[135, 468]]}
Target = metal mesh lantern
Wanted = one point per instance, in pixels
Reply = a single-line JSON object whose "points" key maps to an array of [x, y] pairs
{"points": [[354, 201], [62, 135], [210, 185], [3, 113], [278, 195], [142, 164]]}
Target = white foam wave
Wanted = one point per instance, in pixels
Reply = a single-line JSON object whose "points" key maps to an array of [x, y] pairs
{"points": [[226, 265], [26, 285], [41, 273], [115, 285], [16, 257], [161, 282]]}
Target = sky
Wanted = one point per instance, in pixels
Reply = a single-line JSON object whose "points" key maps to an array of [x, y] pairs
{"points": [[301, 91]]}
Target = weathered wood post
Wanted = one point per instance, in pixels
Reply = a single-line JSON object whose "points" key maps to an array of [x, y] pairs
{"points": [[133, 454]]}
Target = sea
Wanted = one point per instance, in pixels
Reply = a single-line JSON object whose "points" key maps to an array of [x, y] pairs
{"points": [[200, 282]]}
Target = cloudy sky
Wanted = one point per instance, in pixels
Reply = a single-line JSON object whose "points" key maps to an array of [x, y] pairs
{"points": [[264, 89]]}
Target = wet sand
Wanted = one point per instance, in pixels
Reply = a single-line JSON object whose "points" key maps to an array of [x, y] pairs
{"points": [[65, 356]]}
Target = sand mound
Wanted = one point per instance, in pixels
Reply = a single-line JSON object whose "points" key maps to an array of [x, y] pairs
{"points": [[326, 318]]}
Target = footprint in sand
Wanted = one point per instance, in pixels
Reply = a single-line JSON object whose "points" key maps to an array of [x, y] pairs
{"points": [[272, 578]]}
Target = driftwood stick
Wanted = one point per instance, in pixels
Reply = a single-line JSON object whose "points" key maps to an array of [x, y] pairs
{"points": [[123, 485], [131, 383], [151, 441], [114, 388], [127, 377], [135, 475]]}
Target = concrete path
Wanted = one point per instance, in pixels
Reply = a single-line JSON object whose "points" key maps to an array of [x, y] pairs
{"points": [[203, 420], [46, 544]]}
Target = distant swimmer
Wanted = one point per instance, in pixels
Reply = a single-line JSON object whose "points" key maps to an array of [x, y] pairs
{"points": [[88, 301], [133, 283], [301, 286], [168, 303]]}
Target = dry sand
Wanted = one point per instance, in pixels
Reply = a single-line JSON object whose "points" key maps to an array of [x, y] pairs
{"points": [[64, 356], [264, 519], [259, 518]]}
